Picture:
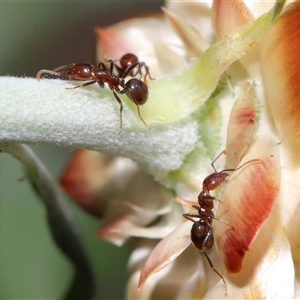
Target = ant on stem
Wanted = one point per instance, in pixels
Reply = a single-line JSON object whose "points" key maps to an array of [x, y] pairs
{"points": [[201, 232], [135, 89]]}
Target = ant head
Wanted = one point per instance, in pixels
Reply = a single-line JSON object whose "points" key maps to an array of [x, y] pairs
{"points": [[79, 71], [214, 180], [128, 60]]}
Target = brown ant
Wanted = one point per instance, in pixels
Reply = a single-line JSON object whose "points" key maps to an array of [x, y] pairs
{"points": [[131, 61], [135, 89], [201, 232]]}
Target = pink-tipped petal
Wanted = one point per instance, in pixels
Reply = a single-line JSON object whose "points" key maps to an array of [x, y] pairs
{"points": [[281, 71], [241, 125], [247, 201], [229, 15], [92, 178], [268, 269]]}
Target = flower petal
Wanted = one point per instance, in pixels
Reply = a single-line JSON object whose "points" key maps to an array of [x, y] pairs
{"points": [[183, 279], [290, 208], [138, 205], [198, 14], [166, 251], [92, 178], [268, 271], [297, 279], [193, 42], [281, 72], [239, 14], [241, 125], [141, 36], [247, 201], [159, 230]]}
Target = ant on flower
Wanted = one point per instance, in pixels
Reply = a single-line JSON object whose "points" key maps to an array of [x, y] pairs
{"points": [[135, 89], [201, 232]]}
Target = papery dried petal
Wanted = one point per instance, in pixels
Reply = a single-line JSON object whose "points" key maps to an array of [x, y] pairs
{"points": [[92, 178], [281, 72], [193, 42], [126, 224], [166, 251], [198, 14], [241, 125], [229, 15], [141, 203], [268, 269], [183, 279], [168, 59], [247, 201]]}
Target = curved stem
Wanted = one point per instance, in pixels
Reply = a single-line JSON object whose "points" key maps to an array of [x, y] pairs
{"points": [[62, 224]]}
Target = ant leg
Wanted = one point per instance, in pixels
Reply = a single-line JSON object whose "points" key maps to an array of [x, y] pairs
{"points": [[124, 91], [138, 109], [128, 71], [212, 266], [211, 215], [147, 72], [121, 107], [212, 164], [190, 216], [239, 167], [81, 85]]}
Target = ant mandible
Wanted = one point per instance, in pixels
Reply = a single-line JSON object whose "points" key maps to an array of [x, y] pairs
{"points": [[135, 89], [201, 232], [131, 61]]}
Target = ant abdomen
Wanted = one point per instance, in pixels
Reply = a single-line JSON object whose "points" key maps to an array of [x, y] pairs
{"points": [[202, 235], [137, 91]]}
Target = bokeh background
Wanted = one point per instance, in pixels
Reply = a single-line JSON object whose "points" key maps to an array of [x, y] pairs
{"points": [[36, 35]]}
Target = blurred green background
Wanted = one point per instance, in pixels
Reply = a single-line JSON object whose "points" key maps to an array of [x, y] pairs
{"points": [[36, 35]]}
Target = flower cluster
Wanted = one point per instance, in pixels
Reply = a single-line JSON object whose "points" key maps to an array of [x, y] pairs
{"points": [[247, 67]]}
